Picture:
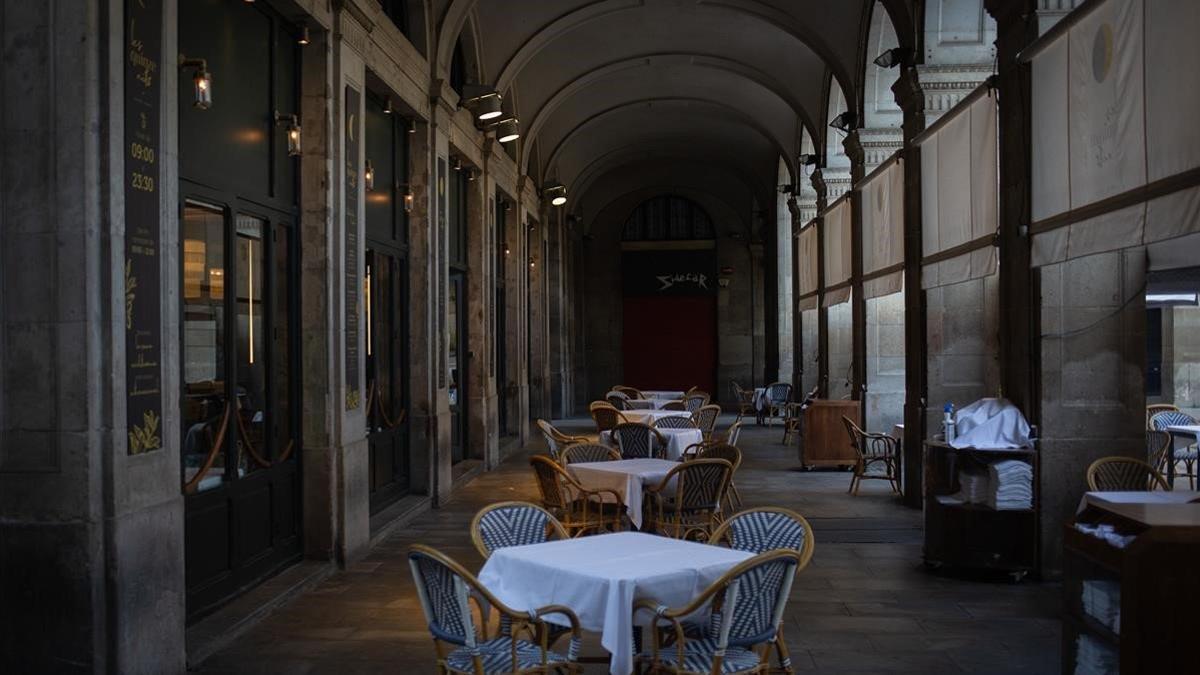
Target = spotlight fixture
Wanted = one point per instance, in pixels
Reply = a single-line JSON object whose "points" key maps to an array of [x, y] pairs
{"points": [[201, 81], [412, 126], [303, 38], [506, 250], [532, 264], [387, 105], [844, 122], [557, 193], [293, 132], [807, 159], [456, 164], [369, 177], [894, 57], [508, 130], [470, 175], [485, 102]]}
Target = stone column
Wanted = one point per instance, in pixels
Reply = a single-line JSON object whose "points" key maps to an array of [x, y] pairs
{"points": [[822, 190], [909, 96], [483, 437], [422, 302], [858, 307], [91, 536]]}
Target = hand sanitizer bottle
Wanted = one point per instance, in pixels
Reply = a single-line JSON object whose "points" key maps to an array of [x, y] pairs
{"points": [[948, 422]]}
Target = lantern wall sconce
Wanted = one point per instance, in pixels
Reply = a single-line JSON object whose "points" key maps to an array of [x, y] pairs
{"points": [[201, 81], [293, 132], [409, 198], [369, 176]]}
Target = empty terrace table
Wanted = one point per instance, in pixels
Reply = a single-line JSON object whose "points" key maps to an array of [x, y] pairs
{"points": [[627, 477], [600, 577], [678, 440]]}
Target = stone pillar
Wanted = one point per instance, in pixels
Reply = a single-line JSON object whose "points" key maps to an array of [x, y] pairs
{"points": [[557, 317], [91, 536], [911, 99], [819, 186], [483, 437], [539, 304], [858, 307], [422, 302]]}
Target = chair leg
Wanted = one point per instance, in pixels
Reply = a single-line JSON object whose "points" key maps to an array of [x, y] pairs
{"points": [[781, 653]]}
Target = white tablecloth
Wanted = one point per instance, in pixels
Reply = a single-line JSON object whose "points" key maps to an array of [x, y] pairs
{"points": [[649, 416], [664, 395], [600, 577], [627, 477], [678, 440]]}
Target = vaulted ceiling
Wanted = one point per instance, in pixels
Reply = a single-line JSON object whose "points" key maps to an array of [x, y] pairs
{"points": [[607, 87]]}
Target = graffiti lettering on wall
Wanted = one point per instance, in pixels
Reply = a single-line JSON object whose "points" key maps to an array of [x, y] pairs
{"points": [[679, 278]]}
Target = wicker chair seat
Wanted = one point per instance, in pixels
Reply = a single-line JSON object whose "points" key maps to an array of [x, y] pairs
{"points": [[698, 656], [496, 655]]}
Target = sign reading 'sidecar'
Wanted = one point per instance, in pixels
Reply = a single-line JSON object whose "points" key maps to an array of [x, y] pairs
{"points": [[687, 272]]}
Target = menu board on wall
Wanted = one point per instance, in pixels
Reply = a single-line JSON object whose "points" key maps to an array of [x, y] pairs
{"points": [[353, 98], [143, 220], [442, 233]]}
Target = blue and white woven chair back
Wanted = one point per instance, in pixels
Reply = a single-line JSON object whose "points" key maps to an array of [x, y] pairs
{"points": [[1171, 418], [636, 441], [695, 402], [513, 526], [701, 484], [617, 399], [706, 417], [779, 393], [443, 597], [674, 422], [757, 607], [762, 531], [586, 452]]}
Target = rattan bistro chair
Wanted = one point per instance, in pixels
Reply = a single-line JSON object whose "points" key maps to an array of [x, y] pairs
{"points": [[1159, 449], [706, 419], [617, 399], [766, 529], [695, 400], [557, 440], [446, 590], [1155, 408], [577, 508], [686, 504], [873, 450], [1161, 421], [674, 405], [744, 610], [1124, 474], [778, 395], [731, 454], [582, 453], [744, 399], [639, 441], [631, 392], [505, 524], [731, 434], [605, 416], [674, 422]]}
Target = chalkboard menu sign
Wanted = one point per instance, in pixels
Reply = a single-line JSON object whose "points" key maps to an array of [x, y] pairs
{"points": [[353, 98], [143, 221], [443, 262], [669, 272]]}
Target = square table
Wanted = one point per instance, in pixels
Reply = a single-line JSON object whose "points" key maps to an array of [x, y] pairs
{"points": [[678, 440], [600, 577], [626, 477]]}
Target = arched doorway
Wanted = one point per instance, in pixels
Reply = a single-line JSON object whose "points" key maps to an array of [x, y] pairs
{"points": [[669, 296]]}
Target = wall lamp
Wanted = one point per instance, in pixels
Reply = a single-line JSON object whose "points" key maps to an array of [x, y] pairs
{"points": [[293, 132], [412, 126], [532, 264], [557, 193], [201, 81], [507, 129], [369, 177], [485, 102], [844, 122], [409, 198], [303, 38], [387, 105], [893, 57]]}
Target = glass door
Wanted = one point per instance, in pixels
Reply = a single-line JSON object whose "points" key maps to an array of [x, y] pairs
{"points": [[239, 469], [387, 435]]}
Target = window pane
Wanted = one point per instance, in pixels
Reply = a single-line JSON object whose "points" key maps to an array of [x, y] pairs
{"points": [[251, 447], [204, 399]]}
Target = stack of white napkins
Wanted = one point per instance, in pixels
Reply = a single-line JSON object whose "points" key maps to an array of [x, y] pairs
{"points": [[1106, 532], [1102, 601], [1093, 657], [1010, 485], [973, 487]]}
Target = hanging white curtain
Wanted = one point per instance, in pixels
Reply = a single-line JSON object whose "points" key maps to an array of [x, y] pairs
{"points": [[959, 193], [1113, 112], [806, 262], [836, 223], [883, 229]]}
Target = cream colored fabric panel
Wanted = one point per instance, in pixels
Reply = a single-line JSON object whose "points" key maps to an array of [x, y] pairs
{"points": [[807, 261], [807, 303], [1172, 86], [1051, 193], [883, 219], [929, 196], [1107, 113], [884, 285], [954, 182], [836, 297], [975, 264], [1174, 253], [837, 243], [984, 169], [1173, 215]]}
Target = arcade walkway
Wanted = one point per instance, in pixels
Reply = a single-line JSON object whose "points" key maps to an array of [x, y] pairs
{"points": [[864, 605]]}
